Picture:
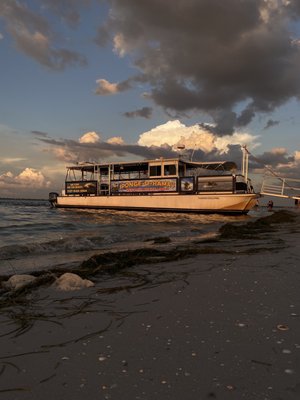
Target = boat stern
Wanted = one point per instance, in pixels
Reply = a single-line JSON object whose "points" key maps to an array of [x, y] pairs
{"points": [[53, 198]]}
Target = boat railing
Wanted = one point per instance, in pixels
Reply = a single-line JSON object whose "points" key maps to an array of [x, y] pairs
{"points": [[280, 187]]}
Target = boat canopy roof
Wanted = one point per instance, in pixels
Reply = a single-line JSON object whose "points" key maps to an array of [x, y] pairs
{"points": [[211, 165]]}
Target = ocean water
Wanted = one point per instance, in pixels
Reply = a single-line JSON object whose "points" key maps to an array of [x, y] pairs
{"points": [[34, 236]]}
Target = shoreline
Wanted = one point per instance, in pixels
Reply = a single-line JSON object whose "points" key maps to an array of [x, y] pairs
{"points": [[218, 325], [155, 247]]}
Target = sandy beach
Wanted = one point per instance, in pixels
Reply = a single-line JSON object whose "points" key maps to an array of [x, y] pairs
{"points": [[220, 324]]}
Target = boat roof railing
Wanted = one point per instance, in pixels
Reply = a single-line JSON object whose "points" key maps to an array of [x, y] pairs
{"points": [[210, 165]]}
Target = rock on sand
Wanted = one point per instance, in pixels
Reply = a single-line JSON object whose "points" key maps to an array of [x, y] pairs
{"points": [[16, 282], [69, 281]]}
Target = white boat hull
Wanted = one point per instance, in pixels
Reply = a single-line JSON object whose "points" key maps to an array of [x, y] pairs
{"points": [[201, 203]]}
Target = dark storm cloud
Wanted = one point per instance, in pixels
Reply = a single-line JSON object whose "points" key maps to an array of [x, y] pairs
{"points": [[102, 36], [15, 13], [72, 151], [271, 123], [274, 158], [194, 55], [225, 120], [210, 55], [39, 133], [145, 112], [69, 10], [277, 160], [34, 37], [294, 8], [103, 150], [233, 154]]}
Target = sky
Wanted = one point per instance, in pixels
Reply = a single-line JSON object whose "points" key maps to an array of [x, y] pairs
{"points": [[109, 80]]}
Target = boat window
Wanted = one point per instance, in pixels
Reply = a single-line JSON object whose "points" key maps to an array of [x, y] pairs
{"points": [[129, 171], [103, 174], [215, 183], [103, 171], [170, 169], [104, 189], [155, 170], [241, 187]]}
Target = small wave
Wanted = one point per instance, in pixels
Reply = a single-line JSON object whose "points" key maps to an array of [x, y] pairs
{"points": [[24, 202], [65, 245]]}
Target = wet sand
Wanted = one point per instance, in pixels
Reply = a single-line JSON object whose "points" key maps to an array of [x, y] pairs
{"points": [[223, 324]]}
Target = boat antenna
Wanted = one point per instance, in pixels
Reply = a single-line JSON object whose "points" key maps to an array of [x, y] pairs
{"points": [[192, 155]]}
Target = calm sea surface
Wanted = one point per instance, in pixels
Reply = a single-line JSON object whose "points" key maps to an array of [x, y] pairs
{"points": [[34, 236]]}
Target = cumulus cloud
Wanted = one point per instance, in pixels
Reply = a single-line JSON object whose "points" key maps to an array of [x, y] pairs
{"points": [[105, 87], [89, 137], [29, 178], [120, 46], [211, 55], [116, 140], [145, 112], [297, 156], [71, 151], [64, 154], [6, 177], [29, 183], [33, 177], [33, 36], [197, 137]]}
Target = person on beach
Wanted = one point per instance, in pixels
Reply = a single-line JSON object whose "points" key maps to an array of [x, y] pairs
{"points": [[296, 202], [270, 204]]}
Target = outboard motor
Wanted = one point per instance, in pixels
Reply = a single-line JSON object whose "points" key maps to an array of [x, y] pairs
{"points": [[53, 198]]}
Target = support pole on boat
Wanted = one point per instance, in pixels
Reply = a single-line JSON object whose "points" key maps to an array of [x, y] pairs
{"points": [[192, 155], [245, 162]]}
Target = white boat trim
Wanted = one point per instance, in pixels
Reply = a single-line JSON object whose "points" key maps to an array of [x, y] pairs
{"points": [[233, 204]]}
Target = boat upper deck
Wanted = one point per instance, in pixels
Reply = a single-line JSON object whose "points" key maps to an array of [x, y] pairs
{"points": [[169, 175], [170, 163]]}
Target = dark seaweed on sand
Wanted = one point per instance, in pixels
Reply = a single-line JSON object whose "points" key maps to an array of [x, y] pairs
{"points": [[261, 225]]}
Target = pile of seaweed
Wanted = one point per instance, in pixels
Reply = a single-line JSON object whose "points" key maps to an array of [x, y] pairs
{"points": [[266, 224], [114, 262], [110, 263]]}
